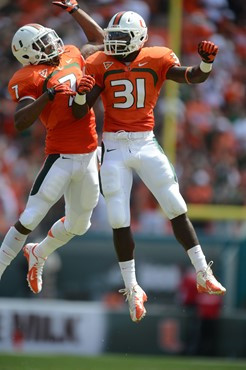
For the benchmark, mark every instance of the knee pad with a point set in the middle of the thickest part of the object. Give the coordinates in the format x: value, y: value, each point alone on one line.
x: 80, y: 225
x: 36, y: 209
x: 118, y: 215
x: 173, y: 204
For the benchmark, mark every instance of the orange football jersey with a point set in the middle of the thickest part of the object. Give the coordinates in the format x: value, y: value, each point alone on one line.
x: 130, y: 91
x: 64, y: 133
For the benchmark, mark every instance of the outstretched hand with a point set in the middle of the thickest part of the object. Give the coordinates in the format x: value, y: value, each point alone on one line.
x: 69, y: 5
x: 86, y: 84
x: 208, y: 51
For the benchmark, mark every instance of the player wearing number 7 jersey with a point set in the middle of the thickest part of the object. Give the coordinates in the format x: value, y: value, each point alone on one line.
x: 45, y: 87
x: 129, y: 77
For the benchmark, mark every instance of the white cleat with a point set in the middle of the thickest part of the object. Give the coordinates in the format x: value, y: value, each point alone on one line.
x: 35, y: 267
x: 136, y: 298
x: 207, y: 283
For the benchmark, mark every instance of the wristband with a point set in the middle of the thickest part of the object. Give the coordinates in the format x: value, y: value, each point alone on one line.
x: 51, y: 93
x: 80, y: 99
x: 74, y: 9
x: 205, y: 67
x: 186, y: 75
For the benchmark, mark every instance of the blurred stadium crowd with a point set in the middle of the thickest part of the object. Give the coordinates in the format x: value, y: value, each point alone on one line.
x: 211, y: 142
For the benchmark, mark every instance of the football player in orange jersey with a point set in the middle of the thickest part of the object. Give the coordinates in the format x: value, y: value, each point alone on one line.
x: 51, y: 78
x: 129, y: 77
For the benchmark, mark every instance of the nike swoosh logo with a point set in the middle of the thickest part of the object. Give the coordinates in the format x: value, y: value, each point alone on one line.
x: 142, y: 64
x: 65, y: 158
x: 110, y: 150
x: 68, y: 61
x: 32, y: 277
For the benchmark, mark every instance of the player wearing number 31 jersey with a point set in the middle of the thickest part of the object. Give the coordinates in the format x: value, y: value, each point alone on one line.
x: 129, y: 77
x: 45, y: 87
x: 130, y: 91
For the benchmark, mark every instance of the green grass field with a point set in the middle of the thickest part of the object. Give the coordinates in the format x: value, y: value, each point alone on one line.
x: 116, y: 362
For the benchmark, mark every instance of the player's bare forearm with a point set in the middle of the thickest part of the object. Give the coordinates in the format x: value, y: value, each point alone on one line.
x: 28, y: 111
x: 197, y: 74
x: 89, y: 49
x: 192, y: 75
x: 92, y: 30
x: 79, y: 111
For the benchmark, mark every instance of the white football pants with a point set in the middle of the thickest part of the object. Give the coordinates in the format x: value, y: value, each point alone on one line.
x: 123, y: 152
x: 73, y: 175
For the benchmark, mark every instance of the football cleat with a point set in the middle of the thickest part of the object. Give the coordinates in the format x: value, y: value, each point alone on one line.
x: 35, y: 267
x: 136, y: 298
x: 206, y: 282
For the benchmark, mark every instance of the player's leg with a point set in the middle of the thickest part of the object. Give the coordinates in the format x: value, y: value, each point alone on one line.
x: 12, y: 244
x: 47, y: 190
x: 159, y: 176
x: 36, y: 208
x: 116, y: 183
x: 81, y: 196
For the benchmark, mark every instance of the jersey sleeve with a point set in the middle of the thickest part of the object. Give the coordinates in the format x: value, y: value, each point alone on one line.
x: 94, y: 68
x: 23, y: 85
x: 169, y: 60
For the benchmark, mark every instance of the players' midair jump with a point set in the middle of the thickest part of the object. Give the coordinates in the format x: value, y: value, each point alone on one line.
x: 129, y: 77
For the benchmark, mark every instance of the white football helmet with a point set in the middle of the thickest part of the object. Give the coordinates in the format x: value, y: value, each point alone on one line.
x: 34, y: 44
x: 126, y: 32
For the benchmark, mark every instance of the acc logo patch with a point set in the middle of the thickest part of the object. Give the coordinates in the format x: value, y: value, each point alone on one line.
x: 107, y: 65
x: 44, y: 73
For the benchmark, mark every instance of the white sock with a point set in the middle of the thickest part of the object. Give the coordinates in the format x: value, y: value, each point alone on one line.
x: 56, y: 238
x: 11, y: 246
x: 127, y: 269
x: 197, y: 258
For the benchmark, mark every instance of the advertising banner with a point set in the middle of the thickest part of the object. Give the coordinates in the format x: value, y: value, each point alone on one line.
x: 46, y: 326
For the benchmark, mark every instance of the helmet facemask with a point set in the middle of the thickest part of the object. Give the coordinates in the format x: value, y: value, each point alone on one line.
x: 47, y: 47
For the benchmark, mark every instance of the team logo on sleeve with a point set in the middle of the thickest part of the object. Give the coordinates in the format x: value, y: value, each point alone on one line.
x: 44, y: 73
x: 107, y: 65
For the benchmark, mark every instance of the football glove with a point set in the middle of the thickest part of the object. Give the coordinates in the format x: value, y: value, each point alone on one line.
x: 208, y: 51
x: 86, y: 84
x: 69, y: 5
x: 61, y: 89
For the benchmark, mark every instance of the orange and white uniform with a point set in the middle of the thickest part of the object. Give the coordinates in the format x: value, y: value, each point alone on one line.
x: 65, y: 134
x: 129, y: 95
x: 70, y: 168
x: 130, y: 92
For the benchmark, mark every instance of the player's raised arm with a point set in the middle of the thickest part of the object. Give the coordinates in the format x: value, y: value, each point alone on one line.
x: 196, y: 74
x: 92, y: 30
